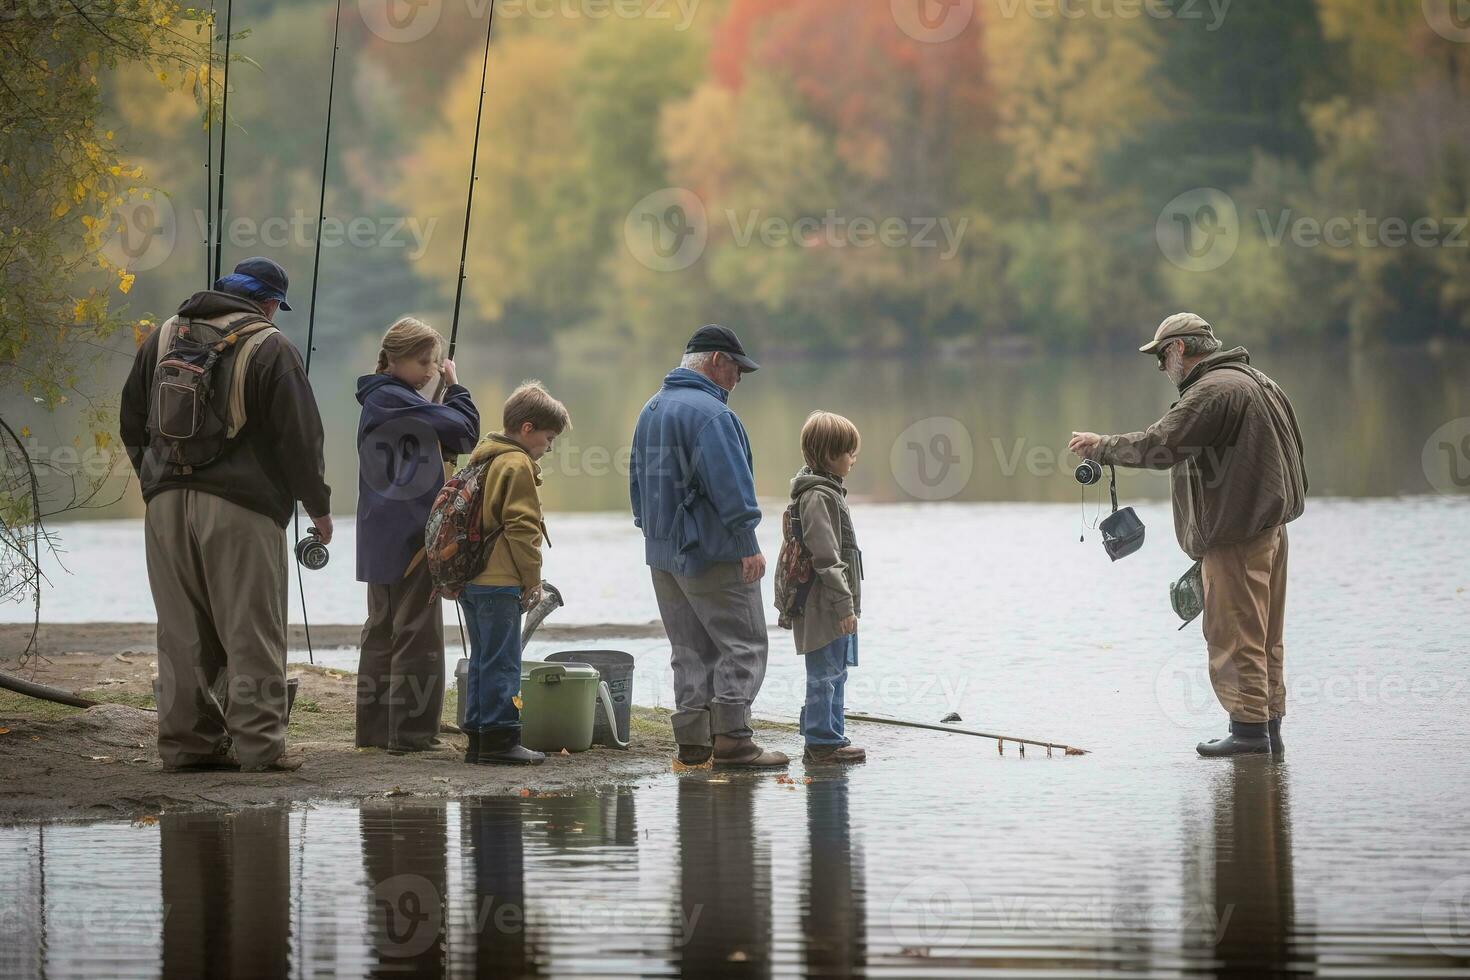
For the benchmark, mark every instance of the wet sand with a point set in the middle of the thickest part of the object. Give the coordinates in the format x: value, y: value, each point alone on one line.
x: 62, y: 763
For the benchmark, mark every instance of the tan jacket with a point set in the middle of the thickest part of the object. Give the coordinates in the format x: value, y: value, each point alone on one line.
x: 1233, y: 444
x: 512, y: 500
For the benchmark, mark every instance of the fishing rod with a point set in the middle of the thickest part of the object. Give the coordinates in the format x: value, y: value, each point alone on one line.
x: 316, y: 265
x: 1001, y: 740
x: 209, y: 153
x: 224, y: 130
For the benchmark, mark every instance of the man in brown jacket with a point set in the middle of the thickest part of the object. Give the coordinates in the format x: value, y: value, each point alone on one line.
x: 1235, y: 450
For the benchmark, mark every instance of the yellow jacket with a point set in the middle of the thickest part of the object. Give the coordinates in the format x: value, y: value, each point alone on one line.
x: 511, y: 499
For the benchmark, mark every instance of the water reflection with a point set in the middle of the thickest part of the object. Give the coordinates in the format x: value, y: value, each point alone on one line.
x: 493, y: 837
x: 724, y: 881
x: 226, y: 893
x: 403, y: 856
x: 1252, y: 928
x: 834, y: 914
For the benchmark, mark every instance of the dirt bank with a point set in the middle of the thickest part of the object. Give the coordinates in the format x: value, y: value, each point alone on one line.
x: 67, y: 763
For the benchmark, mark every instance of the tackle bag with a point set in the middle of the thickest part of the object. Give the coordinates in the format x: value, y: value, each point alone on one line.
x: 794, y: 572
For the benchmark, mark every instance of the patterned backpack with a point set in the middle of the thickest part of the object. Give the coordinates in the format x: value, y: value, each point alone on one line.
x: 455, y: 544
x: 794, y: 574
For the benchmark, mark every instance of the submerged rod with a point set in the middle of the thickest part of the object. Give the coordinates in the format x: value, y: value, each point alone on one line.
x: 901, y: 723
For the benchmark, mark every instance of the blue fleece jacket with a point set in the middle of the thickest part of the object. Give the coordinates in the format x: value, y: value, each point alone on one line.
x: 692, y: 483
x: 401, y: 441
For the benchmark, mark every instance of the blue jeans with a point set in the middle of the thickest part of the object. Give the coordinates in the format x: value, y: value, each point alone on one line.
x: 826, y: 677
x: 492, y: 616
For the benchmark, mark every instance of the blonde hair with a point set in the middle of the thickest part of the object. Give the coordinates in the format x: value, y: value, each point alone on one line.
x: 531, y: 402
x: 406, y: 338
x: 826, y: 436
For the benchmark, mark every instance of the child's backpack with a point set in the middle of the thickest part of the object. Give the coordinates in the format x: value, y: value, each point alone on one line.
x: 455, y: 543
x: 794, y: 573
x: 198, y: 403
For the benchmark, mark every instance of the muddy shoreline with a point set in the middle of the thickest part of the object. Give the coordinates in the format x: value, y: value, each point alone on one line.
x: 63, y: 763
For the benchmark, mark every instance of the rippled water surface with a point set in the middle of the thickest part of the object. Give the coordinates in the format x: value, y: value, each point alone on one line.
x: 940, y: 856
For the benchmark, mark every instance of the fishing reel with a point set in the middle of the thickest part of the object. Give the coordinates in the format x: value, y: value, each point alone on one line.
x: 311, y: 551
x: 1088, y: 472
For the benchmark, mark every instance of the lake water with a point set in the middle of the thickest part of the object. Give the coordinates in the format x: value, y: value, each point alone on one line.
x: 1352, y: 857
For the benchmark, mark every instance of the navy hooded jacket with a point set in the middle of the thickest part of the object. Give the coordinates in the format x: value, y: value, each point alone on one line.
x: 692, y: 482
x: 401, y: 441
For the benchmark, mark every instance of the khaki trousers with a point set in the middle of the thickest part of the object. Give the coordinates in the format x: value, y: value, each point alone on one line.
x: 1245, y: 616
x: 218, y: 574
x: 400, y: 671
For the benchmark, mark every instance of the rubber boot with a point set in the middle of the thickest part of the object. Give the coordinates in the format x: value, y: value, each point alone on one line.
x: 504, y: 748
x: 472, y: 751
x: 694, y: 755
x: 732, y: 752
x: 1245, y: 738
x: 1278, y: 747
x: 842, y: 754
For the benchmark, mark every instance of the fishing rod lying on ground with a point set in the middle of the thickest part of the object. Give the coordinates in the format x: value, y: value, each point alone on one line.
x: 1001, y: 740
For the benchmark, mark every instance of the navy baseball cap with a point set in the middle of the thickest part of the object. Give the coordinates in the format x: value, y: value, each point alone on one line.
x: 713, y: 337
x: 265, y: 273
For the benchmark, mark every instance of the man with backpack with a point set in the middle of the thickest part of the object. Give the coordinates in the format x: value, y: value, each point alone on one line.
x: 222, y: 428
x: 693, y: 494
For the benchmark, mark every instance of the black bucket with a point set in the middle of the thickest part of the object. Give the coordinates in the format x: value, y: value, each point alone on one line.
x: 616, y: 668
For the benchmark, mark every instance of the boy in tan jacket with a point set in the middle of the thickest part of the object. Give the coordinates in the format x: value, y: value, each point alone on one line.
x: 511, y: 582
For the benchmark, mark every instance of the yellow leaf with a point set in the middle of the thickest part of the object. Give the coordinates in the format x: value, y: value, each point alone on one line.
x: 516, y: 700
x: 125, y: 282
x: 25, y: 432
x: 61, y: 208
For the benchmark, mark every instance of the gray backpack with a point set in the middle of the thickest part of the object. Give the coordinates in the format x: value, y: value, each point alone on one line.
x: 197, y: 404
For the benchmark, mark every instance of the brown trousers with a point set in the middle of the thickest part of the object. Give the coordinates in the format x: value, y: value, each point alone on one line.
x: 218, y: 574
x: 400, y: 674
x: 1245, y: 616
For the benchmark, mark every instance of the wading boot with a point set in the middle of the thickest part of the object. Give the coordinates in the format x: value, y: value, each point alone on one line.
x: 1278, y: 747
x: 504, y: 748
x: 732, y: 752
x: 1245, y: 738
x: 694, y: 755
x: 472, y: 751
x: 836, y: 754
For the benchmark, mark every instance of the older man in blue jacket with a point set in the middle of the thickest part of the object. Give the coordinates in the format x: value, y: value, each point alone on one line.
x: 693, y: 493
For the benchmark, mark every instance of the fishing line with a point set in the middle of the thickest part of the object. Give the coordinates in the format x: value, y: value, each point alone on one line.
x: 209, y: 154
x: 316, y: 265
x: 464, y: 247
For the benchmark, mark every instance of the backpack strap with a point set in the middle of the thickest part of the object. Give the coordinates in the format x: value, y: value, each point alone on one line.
x: 166, y: 334
x: 254, y: 335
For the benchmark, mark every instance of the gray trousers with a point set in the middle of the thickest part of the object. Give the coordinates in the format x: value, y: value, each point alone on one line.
x: 400, y: 672
x: 218, y: 573
x: 717, y: 627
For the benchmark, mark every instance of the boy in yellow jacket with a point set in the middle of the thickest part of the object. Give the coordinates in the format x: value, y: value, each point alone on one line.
x: 511, y: 582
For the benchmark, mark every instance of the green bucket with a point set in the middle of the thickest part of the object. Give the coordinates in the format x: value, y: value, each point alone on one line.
x: 559, y: 704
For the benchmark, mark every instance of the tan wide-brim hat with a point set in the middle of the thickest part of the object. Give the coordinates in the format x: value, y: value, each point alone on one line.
x: 1176, y: 326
